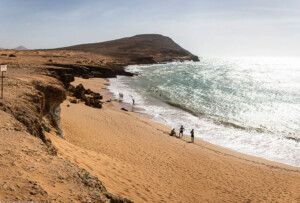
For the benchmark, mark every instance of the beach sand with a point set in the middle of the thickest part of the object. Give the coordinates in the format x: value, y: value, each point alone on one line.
x: 136, y: 158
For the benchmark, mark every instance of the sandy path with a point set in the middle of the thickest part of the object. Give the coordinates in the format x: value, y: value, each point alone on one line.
x: 135, y: 158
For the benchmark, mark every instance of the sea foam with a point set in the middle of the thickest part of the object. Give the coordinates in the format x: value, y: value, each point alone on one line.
x: 250, y: 105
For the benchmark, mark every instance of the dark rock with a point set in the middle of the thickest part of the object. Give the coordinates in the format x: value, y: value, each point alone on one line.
x: 71, y: 88
x: 66, y: 79
x: 84, y: 71
x: 97, y: 96
x: 116, y: 199
x: 88, y: 91
x: 17, y: 128
x: 195, y: 58
x: 79, y: 92
x: 97, y: 104
x: 33, y: 193
x: 143, y: 60
x: 293, y: 138
x: 73, y: 101
x: 124, y: 109
x: 85, y: 76
x: 90, y: 101
x: 89, y: 97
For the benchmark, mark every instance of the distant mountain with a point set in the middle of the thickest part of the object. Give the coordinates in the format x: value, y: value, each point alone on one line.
x: 146, y: 48
x: 20, y: 48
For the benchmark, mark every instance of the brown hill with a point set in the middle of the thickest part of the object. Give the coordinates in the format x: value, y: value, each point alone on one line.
x: 147, y: 48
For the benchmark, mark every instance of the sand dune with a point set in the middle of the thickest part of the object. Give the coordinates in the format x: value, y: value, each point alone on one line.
x: 137, y: 159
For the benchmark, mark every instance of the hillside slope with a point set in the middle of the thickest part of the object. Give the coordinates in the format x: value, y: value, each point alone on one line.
x: 147, y: 48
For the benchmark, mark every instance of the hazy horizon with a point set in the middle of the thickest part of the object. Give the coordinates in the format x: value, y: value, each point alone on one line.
x: 206, y: 28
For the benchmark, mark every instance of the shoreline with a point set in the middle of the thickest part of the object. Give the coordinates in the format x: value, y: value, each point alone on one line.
x: 213, y: 147
x: 206, y: 129
x: 227, y: 151
x: 135, y: 158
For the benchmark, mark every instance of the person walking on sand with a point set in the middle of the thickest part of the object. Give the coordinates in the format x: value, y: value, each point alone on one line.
x: 181, y: 129
x: 192, y: 136
x: 133, y: 101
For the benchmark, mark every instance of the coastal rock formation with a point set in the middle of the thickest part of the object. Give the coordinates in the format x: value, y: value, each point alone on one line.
x: 139, y: 49
x: 36, y: 104
x: 66, y: 72
x: 89, y: 97
x: 51, y: 98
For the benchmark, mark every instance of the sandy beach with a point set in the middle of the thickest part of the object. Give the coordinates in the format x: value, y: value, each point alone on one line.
x: 136, y: 158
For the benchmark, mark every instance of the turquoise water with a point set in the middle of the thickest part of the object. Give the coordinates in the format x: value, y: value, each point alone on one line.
x: 251, y: 105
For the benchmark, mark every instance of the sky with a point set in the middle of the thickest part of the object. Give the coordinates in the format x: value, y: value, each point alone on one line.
x: 204, y: 27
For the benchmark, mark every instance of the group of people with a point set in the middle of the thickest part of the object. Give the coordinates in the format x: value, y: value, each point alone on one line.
x: 173, y: 133
x: 181, y: 129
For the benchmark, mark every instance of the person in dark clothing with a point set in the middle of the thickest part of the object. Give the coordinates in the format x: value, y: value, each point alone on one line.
x: 173, y: 133
x: 192, y: 135
x: 181, y: 129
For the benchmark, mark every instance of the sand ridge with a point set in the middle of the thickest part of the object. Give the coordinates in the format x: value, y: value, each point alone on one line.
x: 137, y: 159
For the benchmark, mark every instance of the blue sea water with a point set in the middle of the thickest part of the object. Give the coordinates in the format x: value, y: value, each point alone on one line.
x: 248, y: 104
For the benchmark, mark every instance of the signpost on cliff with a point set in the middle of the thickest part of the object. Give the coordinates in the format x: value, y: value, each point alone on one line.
x: 3, y: 68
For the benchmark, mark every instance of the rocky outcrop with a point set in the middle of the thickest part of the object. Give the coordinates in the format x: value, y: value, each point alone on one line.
x: 66, y: 72
x: 36, y: 104
x: 51, y: 98
x: 143, y: 60
x: 89, y: 97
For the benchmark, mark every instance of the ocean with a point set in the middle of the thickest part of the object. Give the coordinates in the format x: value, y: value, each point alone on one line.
x: 248, y: 104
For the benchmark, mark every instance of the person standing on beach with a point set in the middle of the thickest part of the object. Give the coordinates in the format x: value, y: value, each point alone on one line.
x: 181, y: 129
x: 133, y: 101
x: 120, y: 97
x: 192, y: 136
